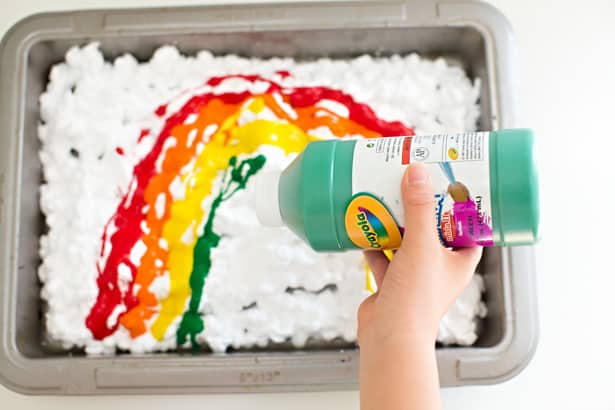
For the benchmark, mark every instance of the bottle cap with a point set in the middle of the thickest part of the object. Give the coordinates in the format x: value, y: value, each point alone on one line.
x: 514, y: 187
x: 266, y: 190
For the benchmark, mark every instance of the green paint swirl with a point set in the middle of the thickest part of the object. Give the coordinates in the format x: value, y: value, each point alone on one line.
x: 192, y: 323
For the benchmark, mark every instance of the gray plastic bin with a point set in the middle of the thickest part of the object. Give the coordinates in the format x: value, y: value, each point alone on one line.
x: 473, y: 34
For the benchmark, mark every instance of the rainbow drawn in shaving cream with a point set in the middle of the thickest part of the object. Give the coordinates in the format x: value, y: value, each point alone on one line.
x: 205, y: 151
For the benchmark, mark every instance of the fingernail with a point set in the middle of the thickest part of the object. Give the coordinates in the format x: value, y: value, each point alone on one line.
x: 418, y: 174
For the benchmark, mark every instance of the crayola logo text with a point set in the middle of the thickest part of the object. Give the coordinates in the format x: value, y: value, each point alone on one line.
x: 369, y: 224
x: 370, y: 235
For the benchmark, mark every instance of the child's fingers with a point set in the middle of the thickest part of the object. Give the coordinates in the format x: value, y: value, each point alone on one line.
x: 467, y: 259
x: 378, y: 263
x: 364, y: 314
x: 418, y: 200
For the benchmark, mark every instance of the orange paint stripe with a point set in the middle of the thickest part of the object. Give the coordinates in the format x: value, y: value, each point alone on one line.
x: 308, y: 119
x: 154, y: 261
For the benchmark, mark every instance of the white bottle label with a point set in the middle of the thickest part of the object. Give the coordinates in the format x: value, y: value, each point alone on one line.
x: 459, y: 165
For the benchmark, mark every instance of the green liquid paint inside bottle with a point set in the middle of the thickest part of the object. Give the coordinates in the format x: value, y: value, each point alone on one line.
x: 345, y: 194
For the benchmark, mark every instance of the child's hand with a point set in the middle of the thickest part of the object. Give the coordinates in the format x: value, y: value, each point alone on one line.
x: 398, y: 324
x: 416, y: 288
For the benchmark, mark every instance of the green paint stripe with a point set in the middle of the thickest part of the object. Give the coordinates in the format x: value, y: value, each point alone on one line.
x: 235, y: 178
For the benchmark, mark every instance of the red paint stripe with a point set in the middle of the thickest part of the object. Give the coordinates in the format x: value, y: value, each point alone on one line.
x: 144, y: 133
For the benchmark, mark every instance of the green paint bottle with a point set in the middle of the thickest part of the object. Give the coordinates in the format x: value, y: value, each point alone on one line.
x: 345, y: 194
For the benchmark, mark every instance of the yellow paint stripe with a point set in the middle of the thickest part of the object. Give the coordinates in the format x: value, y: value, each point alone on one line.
x: 227, y: 142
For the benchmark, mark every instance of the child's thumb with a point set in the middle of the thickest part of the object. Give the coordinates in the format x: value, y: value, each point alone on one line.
x: 419, y: 208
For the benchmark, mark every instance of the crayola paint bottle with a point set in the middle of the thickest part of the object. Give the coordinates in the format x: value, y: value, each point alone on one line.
x: 345, y: 194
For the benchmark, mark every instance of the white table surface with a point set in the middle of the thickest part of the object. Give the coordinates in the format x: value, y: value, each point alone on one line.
x: 567, y: 53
